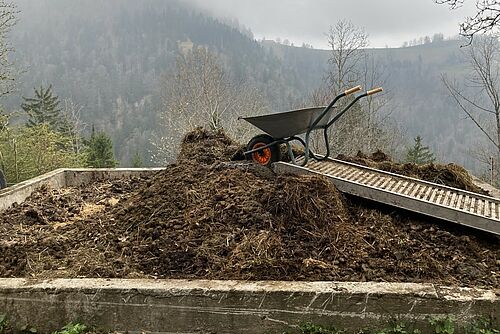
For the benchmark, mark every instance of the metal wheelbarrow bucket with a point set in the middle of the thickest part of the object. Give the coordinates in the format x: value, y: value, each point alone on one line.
x: 284, y: 127
x: 288, y: 123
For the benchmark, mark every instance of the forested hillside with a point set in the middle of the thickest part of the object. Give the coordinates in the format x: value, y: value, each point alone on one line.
x: 110, y: 58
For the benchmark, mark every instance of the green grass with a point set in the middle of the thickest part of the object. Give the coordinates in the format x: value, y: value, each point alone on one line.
x: 445, y: 325
x: 73, y: 328
x: 398, y: 328
x: 309, y: 328
x: 438, y: 325
x: 3, y: 323
x: 483, y: 326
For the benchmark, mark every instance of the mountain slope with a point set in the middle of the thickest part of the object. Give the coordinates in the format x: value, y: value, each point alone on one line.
x: 109, y: 57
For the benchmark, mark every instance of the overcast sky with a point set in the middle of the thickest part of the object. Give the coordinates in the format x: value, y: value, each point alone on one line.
x: 388, y: 22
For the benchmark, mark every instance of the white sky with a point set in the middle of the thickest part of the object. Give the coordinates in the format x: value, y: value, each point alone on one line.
x: 388, y: 22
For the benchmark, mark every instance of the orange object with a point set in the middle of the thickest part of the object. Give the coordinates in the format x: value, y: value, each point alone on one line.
x: 261, y: 157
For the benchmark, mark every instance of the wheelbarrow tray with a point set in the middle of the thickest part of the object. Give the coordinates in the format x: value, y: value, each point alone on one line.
x: 289, y: 123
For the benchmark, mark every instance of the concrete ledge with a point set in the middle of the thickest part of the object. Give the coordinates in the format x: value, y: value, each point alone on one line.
x: 203, y: 306
x: 60, y: 178
x: 76, y: 177
x: 21, y: 191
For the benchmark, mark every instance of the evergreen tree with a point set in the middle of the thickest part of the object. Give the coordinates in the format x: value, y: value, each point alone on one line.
x: 43, y: 108
x: 137, y: 161
x: 419, y: 154
x: 100, y: 151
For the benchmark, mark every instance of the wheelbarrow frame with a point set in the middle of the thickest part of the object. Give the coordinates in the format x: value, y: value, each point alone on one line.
x: 320, y: 122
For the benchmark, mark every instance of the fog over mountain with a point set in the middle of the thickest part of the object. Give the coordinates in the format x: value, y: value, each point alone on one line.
x: 389, y: 22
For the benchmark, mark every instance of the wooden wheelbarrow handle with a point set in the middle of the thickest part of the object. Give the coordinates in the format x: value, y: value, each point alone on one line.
x: 374, y: 91
x: 352, y: 90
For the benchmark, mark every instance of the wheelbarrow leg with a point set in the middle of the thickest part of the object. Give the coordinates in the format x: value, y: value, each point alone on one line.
x: 306, y: 151
x: 327, y: 144
x: 291, y: 155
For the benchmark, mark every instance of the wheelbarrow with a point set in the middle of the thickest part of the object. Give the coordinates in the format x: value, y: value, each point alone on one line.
x: 284, y: 127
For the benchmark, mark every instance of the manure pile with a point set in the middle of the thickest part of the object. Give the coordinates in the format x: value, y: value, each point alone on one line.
x: 208, y: 217
x: 451, y: 175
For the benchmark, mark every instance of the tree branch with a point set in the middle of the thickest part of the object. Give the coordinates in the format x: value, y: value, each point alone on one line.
x: 452, y: 91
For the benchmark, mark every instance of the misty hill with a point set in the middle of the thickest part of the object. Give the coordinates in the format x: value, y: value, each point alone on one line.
x: 109, y: 57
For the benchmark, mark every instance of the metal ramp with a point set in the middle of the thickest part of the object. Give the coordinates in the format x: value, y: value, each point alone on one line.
x: 435, y: 200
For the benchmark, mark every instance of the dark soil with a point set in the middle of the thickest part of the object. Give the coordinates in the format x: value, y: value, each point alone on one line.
x: 208, y: 217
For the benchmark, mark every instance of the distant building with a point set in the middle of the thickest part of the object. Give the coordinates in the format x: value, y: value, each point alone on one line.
x: 186, y: 46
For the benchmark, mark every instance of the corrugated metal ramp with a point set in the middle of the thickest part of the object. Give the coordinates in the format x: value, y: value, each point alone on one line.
x: 451, y: 204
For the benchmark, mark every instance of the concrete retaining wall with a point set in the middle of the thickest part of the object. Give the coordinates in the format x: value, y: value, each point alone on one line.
x: 60, y: 178
x: 202, y: 306
x: 19, y: 192
x: 76, y: 177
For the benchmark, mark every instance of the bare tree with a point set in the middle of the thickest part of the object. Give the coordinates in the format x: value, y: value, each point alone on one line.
x: 74, y: 126
x: 479, y: 97
x: 8, y: 12
x: 484, y: 20
x: 381, y: 132
x: 350, y: 65
x: 347, y: 43
x: 199, y: 92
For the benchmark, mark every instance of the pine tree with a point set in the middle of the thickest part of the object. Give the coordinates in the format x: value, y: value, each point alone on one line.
x: 100, y: 151
x: 137, y: 161
x: 43, y: 108
x: 419, y: 154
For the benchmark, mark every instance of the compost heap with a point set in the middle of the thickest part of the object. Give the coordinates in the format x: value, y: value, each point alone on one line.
x: 451, y: 174
x: 207, y: 217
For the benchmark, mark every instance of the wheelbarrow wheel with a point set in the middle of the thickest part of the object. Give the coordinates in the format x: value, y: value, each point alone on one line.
x: 266, y: 156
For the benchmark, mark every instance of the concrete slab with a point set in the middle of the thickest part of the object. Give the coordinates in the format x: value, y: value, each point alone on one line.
x: 209, y: 306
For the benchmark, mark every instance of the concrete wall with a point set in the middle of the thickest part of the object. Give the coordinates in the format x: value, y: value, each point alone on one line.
x: 76, y: 177
x: 202, y: 306
x: 21, y: 191
x: 64, y: 178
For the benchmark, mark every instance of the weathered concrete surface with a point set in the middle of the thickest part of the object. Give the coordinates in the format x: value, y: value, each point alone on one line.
x: 76, y: 177
x: 60, y: 178
x: 202, y: 306
x: 19, y: 192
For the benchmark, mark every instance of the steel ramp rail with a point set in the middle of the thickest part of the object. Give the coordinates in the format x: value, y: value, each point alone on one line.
x: 431, y: 199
